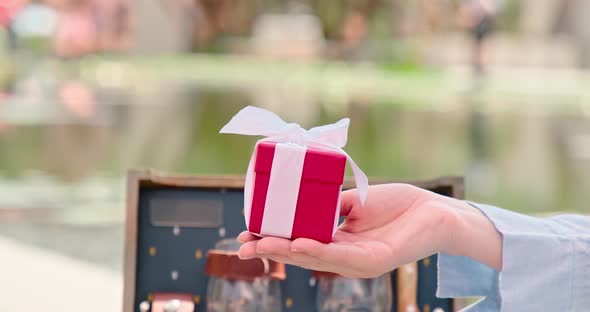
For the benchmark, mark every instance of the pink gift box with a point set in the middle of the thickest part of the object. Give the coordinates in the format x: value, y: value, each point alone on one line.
x: 294, y: 178
x: 316, y: 209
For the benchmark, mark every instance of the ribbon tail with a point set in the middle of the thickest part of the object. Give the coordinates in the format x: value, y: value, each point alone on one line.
x: 249, y: 188
x: 361, y: 181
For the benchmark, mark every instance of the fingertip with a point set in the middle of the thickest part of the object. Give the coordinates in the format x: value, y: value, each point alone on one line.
x: 246, y: 236
x: 248, y: 250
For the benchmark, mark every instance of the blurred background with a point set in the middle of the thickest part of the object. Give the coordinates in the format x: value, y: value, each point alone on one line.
x: 497, y: 91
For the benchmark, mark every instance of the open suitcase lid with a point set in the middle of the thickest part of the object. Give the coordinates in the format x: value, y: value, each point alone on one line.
x: 163, y: 258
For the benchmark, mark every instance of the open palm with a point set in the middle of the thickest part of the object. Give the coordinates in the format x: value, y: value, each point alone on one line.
x: 397, y: 225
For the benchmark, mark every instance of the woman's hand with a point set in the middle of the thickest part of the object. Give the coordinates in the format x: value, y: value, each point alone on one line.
x: 399, y: 224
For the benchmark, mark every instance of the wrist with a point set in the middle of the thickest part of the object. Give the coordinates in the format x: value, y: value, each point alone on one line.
x: 470, y: 233
x: 453, y: 227
x: 447, y: 227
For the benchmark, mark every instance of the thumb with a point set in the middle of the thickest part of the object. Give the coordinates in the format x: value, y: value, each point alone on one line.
x: 349, y: 200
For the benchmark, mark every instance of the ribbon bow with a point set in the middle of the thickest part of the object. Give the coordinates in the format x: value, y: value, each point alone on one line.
x: 260, y: 122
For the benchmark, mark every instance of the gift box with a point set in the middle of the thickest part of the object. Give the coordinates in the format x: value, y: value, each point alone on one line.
x: 295, y: 176
x: 301, y: 188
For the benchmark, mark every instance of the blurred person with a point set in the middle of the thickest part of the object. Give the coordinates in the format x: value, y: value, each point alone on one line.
x: 212, y: 19
x: 354, y: 28
x: 218, y: 17
x: 34, y: 24
x: 8, y: 9
x: 479, y: 16
x: 517, y: 262
x: 76, y: 33
x: 112, y: 23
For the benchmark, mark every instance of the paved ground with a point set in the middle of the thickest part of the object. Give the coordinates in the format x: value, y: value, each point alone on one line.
x: 34, y: 279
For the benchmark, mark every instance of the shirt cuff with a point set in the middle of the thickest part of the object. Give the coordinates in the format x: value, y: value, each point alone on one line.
x: 581, y: 279
x: 460, y: 277
x: 545, y: 266
x: 538, y: 264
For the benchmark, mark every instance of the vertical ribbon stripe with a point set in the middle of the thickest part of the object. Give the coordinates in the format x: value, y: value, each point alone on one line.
x: 283, y: 190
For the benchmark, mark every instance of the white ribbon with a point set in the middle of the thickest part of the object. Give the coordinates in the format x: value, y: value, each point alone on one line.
x: 260, y: 122
x: 282, y: 194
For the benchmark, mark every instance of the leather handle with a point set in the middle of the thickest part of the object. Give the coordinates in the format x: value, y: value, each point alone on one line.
x: 228, y: 265
x: 407, y: 288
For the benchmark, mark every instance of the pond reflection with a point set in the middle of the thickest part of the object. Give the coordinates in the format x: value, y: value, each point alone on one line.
x: 73, y: 173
